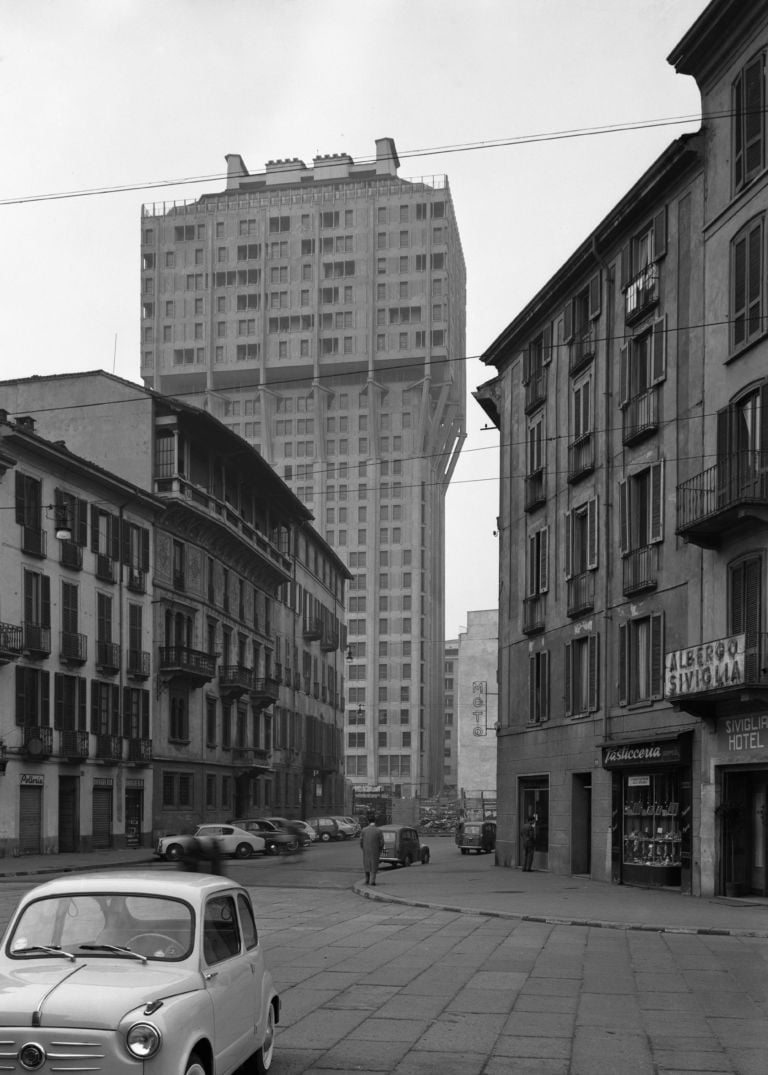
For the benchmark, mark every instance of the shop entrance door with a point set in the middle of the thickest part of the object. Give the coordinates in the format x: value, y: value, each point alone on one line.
x: 134, y: 816
x: 534, y: 804
x: 581, y: 823
x: 69, y: 820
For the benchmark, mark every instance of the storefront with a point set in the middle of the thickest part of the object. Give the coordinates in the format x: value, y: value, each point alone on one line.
x: 651, y: 835
x: 741, y: 774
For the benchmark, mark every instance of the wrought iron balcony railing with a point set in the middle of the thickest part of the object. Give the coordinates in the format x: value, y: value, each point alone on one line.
x: 11, y: 642
x: 640, y: 569
x: 581, y: 457
x: 535, y: 390
x: 729, y: 494
x: 183, y: 662
x: 109, y: 748
x: 640, y: 416
x: 108, y: 657
x: 535, y: 489
x: 74, y: 745
x: 533, y: 614
x: 73, y: 647
x: 37, y: 639
x: 138, y: 664
x: 580, y: 593
x: 642, y: 294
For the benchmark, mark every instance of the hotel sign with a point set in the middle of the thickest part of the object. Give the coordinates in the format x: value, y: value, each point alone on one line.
x: 480, y: 707
x: 704, y: 668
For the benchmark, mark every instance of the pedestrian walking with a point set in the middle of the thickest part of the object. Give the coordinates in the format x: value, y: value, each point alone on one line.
x: 372, y: 842
x: 529, y: 844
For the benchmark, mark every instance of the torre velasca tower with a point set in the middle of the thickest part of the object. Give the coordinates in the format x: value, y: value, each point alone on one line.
x: 320, y: 313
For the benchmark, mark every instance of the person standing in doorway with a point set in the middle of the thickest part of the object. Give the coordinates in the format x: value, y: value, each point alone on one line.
x: 529, y: 844
x: 372, y: 842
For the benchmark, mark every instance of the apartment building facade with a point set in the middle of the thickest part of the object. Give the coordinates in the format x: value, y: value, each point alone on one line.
x: 450, y: 735
x: 247, y: 674
x: 319, y: 311
x: 634, y: 580
x: 76, y: 698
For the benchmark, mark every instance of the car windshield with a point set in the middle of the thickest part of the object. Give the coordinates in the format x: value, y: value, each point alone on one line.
x: 472, y: 828
x: 110, y: 924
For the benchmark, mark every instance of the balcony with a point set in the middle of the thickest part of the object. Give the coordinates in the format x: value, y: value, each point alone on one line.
x: 138, y: 664
x: 725, y: 677
x: 74, y: 745
x: 38, y: 741
x: 137, y: 580
x: 251, y: 758
x: 580, y: 593
x: 264, y: 691
x: 641, y: 295
x: 581, y: 457
x: 11, y: 642
x: 105, y: 568
x: 71, y: 555
x: 235, y: 680
x: 34, y: 542
x: 313, y: 629
x: 108, y: 658
x: 535, y: 390
x: 581, y: 352
x: 73, y: 647
x: 109, y: 748
x: 535, y: 489
x: 140, y: 751
x: 37, y: 640
x: 640, y: 416
x: 181, y: 662
x: 731, y: 494
x: 640, y: 570
x: 329, y: 641
x: 533, y: 614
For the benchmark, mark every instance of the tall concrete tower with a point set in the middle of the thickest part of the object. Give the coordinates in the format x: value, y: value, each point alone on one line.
x: 320, y: 312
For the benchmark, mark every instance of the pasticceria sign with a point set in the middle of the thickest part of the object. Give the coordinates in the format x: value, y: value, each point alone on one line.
x: 707, y: 667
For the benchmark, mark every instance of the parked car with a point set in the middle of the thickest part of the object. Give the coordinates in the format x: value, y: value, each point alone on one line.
x: 311, y: 833
x: 326, y: 828
x: 402, y: 846
x: 347, y: 827
x: 479, y: 836
x: 231, y: 840
x: 277, y: 838
x: 161, y: 973
x: 300, y: 829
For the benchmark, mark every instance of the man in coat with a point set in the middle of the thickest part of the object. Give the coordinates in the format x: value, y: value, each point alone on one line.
x: 371, y: 841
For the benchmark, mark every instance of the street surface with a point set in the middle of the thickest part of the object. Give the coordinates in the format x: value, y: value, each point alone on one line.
x: 378, y: 987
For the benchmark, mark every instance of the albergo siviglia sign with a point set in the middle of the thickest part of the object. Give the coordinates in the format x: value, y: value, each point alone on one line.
x: 704, y: 668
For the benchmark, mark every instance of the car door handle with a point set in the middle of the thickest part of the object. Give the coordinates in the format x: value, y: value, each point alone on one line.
x: 210, y: 975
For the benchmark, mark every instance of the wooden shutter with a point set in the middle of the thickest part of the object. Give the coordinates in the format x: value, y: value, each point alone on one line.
x: 544, y: 560
x: 656, y: 493
x: 114, y: 538
x: 546, y: 344
x: 754, y: 117
x: 125, y: 540
x: 592, y: 534
x: 660, y: 234
x: 20, y: 489
x: 527, y: 364
x: 114, y: 691
x: 144, y: 549
x: 81, y: 693
x: 95, y: 706
x: 568, y: 321
x: 659, y: 350
x: 532, y: 566
x: 623, y: 517
x: 94, y: 528
x: 568, y: 545
x: 45, y: 700
x: 594, y: 685
x: 45, y: 601
x: 568, y: 680
x: 80, y: 535
x: 594, y: 297
x: 623, y: 671
x: 127, y: 712
x: 58, y: 701
x: 532, y: 688
x: 21, y: 693
x: 544, y: 684
x: 624, y: 374
x: 657, y: 655
x: 625, y: 266
x: 145, y: 714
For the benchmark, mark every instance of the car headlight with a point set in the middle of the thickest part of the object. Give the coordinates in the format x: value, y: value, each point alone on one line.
x: 143, y: 1040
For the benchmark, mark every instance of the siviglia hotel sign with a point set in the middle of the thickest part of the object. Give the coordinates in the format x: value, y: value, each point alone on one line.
x: 707, y: 667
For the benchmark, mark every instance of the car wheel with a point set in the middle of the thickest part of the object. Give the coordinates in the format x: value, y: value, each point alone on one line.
x: 174, y: 852
x: 292, y: 846
x: 243, y: 851
x: 407, y: 860
x: 263, y: 1057
x: 325, y: 837
x: 424, y: 856
x: 195, y: 1065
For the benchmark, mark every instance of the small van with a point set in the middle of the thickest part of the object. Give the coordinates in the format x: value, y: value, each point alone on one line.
x: 479, y: 836
x: 402, y: 846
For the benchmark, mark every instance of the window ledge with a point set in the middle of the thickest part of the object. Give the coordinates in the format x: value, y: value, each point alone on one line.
x: 745, y: 347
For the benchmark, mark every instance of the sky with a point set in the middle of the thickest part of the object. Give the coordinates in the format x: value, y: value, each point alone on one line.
x: 101, y: 94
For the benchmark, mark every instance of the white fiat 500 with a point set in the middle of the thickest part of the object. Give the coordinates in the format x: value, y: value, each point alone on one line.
x: 158, y: 974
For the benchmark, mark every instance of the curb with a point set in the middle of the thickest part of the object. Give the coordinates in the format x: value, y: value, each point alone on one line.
x: 553, y: 920
x: 8, y: 875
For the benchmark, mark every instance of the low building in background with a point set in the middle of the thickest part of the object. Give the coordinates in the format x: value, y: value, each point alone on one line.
x: 477, y: 713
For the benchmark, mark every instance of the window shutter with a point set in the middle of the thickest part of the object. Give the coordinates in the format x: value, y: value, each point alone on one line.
x: 568, y: 550
x: 656, y: 514
x: 544, y: 684
x: 544, y: 561
x: 21, y: 694
x: 623, y: 517
x: 527, y: 364
x: 723, y: 452
x: 738, y: 291
x: 594, y: 690
x: 532, y: 567
x: 754, y: 117
x: 546, y: 344
x: 659, y: 350
x: 45, y: 601
x: 125, y: 540
x: 114, y: 538
x: 660, y: 234
x: 754, y: 280
x: 594, y: 297
x: 94, y: 528
x: 623, y: 676
x: 144, y: 549
x: 126, y: 712
x: 624, y: 375
x: 567, y: 681
x: 145, y: 714
x: 568, y: 321
x: 58, y: 701
x: 115, y: 709
x: 625, y: 266
x: 657, y: 655
x: 592, y: 534
x: 81, y: 523
x: 20, y: 499
x: 45, y: 700
x: 94, y: 707
x: 532, y: 691
x: 81, y: 692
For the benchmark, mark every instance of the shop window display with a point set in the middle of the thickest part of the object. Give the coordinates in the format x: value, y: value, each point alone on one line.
x: 652, y: 836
